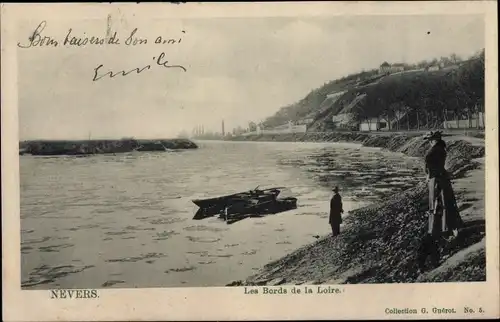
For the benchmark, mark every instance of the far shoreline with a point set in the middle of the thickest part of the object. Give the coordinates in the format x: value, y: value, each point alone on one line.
x: 342, y: 136
x: 93, y: 147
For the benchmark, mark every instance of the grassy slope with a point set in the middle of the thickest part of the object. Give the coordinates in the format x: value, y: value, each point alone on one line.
x: 378, y: 243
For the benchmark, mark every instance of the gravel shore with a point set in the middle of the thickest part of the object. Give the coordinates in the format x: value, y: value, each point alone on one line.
x: 378, y: 243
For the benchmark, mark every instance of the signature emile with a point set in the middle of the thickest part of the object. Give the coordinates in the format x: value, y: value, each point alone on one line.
x: 160, y: 62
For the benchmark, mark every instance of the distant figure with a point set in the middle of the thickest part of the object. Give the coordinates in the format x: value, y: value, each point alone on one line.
x: 444, y: 219
x: 336, y: 211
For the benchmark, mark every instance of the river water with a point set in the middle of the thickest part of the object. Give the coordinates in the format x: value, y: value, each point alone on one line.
x: 126, y: 220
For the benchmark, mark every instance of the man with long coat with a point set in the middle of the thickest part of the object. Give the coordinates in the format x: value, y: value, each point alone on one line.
x: 336, y: 211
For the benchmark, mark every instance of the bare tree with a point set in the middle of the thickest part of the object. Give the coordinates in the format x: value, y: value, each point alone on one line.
x: 407, y: 110
x: 252, y: 126
x: 398, y: 111
x: 418, y: 119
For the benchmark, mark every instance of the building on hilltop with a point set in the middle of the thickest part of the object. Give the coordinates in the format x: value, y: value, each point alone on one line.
x: 288, y: 127
x: 373, y: 124
x: 384, y: 67
x: 342, y: 121
x: 434, y: 67
x: 472, y: 123
x: 387, y: 68
x: 382, y: 123
x: 305, y: 121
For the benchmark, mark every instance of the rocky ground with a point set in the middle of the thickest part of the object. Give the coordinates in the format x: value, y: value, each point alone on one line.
x: 378, y: 243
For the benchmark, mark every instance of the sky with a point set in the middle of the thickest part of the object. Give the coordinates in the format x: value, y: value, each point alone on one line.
x: 237, y: 69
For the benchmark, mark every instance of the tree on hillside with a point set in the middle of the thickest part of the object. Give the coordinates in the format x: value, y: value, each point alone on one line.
x: 252, y: 127
x: 362, y: 112
x: 407, y: 112
x: 479, y: 54
x: 469, y: 87
x: 423, y: 64
x: 425, y: 101
x: 414, y: 102
x: 455, y: 58
x: 398, y: 109
x: 445, y: 61
x: 442, y: 101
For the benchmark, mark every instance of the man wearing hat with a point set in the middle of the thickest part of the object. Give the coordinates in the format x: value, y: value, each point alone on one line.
x: 444, y: 219
x: 336, y: 211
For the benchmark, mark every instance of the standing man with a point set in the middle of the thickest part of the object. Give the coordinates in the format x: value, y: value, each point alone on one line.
x: 336, y: 211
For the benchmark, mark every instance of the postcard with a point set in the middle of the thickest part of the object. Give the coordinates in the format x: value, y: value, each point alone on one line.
x: 250, y: 161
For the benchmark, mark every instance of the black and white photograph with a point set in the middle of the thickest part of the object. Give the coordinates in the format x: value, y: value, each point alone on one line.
x: 250, y: 152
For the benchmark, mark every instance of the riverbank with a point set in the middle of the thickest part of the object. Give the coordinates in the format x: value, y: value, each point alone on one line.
x: 378, y: 243
x: 89, y: 147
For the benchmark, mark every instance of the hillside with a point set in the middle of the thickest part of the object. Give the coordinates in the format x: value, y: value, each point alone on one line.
x: 407, y: 100
x: 379, y: 95
x: 310, y: 104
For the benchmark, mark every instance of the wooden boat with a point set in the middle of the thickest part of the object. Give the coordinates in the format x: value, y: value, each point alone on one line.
x: 219, y: 203
x: 244, y: 204
x: 241, y: 211
x: 260, y: 207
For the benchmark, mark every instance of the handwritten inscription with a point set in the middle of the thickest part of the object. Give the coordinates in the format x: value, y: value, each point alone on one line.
x: 36, y: 39
x: 39, y: 39
x: 72, y: 39
x: 160, y: 61
x: 82, y: 41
